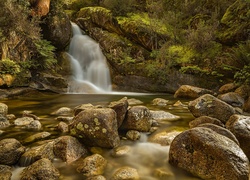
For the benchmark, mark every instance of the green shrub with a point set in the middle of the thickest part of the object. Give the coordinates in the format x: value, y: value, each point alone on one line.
x: 8, y: 66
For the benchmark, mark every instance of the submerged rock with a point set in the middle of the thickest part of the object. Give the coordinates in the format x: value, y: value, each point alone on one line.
x: 163, y: 115
x: 92, y: 165
x: 11, y: 151
x: 239, y: 125
x: 160, y: 102
x: 41, y: 169
x: 125, y: 173
x: 208, y: 155
x: 3, y: 109
x: 96, y: 127
x: 4, y: 122
x: 208, y: 105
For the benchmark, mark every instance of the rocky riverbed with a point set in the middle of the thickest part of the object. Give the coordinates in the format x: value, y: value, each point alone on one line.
x: 215, y: 146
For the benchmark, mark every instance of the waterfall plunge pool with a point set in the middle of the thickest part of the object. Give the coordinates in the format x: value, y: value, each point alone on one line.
x: 146, y: 157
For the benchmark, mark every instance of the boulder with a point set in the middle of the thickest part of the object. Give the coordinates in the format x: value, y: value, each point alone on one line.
x: 5, y: 172
x: 63, y: 127
x: 36, y: 153
x: 11, y: 151
x: 230, y: 87
x: 205, y: 119
x: 239, y: 125
x: 92, y: 165
x: 41, y: 169
x: 208, y: 155
x: 4, y: 122
x: 243, y: 91
x: 120, y: 107
x: 208, y: 105
x: 82, y: 107
x: 3, y: 109
x: 137, y: 118
x: 163, y: 116
x: 232, y: 98
x: 68, y: 149
x: 34, y: 125
x: 187, y: 91
x: 125, y: 173
x: 220, y: 130
x: 96, y: 127
x: 121, y: 151
x: 133, y: 135
x: 23, y: 121
x: 246, y: 106
x: 163, y: 138
x: 63, y: 111
x: 99, y: 177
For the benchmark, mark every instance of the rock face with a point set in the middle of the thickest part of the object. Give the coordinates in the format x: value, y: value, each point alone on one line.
x: 187, y: 91
x: 239, y: 125
x: 138, y: 118
x: 11, y: 151
x: 208, y: 155
x: 208, y: 105
x: 39, y: 170
x: 96, y: 127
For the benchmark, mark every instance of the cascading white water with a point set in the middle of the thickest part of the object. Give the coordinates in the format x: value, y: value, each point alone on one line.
x: 89, y: 67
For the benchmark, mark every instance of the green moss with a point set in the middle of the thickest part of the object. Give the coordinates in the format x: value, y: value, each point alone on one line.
x: 8, y: 66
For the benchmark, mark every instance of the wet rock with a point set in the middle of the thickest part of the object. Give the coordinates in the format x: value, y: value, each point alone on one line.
x: 208, y: 155
x: 69, y: 149
x: 5, y: 172
x: 63, y: 111
x: 133, y: 135
x: 208, y: 105
x: 82, y: 107
x: 3, y: 109
x: 163, y: 173
x: 179, y: 104
x: 29, y: 114
x: 187, y: 91
x: 92, y: 165
x: 3, y: 122
x: 11, y: 151
x: 163, y: 115
x: 120, y: 107
x: 63, y: 127
x: 239, y: 125
x: 133, y: 101
x: 121, y: 151
x: 246, y: 106
x: 10, y: 116
x: 205, y: 119
x: 65, y: 119
x: 96, y: 127
x: 36, y: 137
x: 99, y: 177
x: 41, y: 169
x: 220, y: 130
x: 160, y: 102
x: 23, y: 121
x: 125, y: 173
x: 138, y: 118
x: 232, y: 98
x: 243, y: 91
x: 35, y: 125
x: 163, y: 138
x: 36, y: 153
x: 230, y: 87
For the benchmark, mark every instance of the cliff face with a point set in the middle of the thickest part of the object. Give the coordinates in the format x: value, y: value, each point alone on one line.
x: 146, y: 53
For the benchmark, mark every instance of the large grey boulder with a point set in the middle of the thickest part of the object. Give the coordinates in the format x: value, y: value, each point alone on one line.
x: 208, y: 105
x: 209, y: 155
x: 41, y: 169
x: 239, y: 125
x: 10, y: 151
x: 96, y: 127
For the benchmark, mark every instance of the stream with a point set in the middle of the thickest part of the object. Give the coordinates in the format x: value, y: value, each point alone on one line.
x: 146, y: 157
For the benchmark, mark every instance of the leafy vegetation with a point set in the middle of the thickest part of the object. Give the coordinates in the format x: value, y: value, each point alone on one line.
x: 8, y: 66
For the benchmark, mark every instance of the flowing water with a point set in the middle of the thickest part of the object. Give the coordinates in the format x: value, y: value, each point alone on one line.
x: 89, y: 67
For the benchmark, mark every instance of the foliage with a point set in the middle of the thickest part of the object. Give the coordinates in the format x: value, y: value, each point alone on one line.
x: 46, y: 58
x: 8, y: 66
x: 156, y: 71
x: 243, y: 76
x: 199, y: 71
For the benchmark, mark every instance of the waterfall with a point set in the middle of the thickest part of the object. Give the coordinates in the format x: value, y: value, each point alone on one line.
x: 90, y: 73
